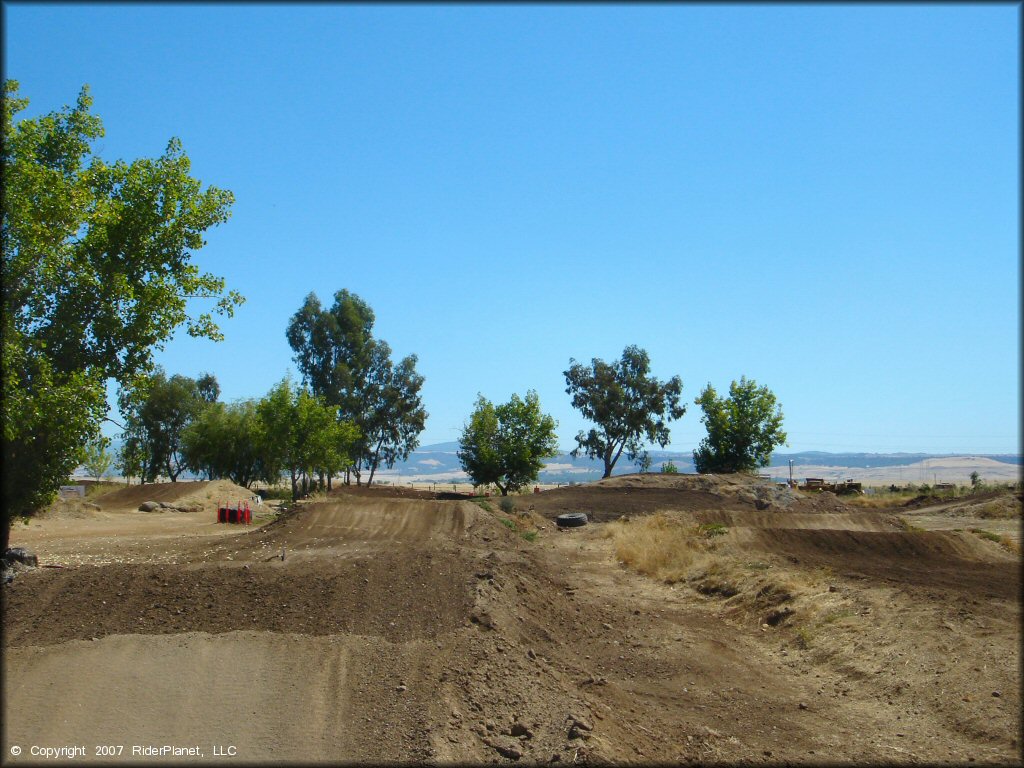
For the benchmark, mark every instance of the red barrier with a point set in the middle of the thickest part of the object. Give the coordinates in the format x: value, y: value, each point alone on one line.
x: 241, y: 514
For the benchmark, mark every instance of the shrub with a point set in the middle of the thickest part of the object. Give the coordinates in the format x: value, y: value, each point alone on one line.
x: 668, y: 468
x: 507, y: 505
x: 987, y: 534
x: 803, y: 639
x: 710, y: 530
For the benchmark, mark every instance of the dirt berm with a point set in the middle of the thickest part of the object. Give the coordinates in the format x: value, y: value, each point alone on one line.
x: 368, y: 628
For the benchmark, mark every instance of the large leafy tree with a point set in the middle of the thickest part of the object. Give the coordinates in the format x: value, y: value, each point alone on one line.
x: 333, y: 347
x: 342, y: 362
x: 392, y: 414
x: 223, y: 441
x: 157, y: 412
x: 97, y: 273
x: 277, y: 430
x: 47, y: 420
x: 743, y: 429
x: 506, y: 444
x: 299, y: 433
x: 628, y: 406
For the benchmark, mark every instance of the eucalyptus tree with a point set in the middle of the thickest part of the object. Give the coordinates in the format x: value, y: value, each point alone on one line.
x: 342, y: 362
x: 628, y: 406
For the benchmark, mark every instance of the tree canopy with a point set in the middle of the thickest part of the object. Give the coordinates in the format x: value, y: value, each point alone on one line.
x: 301, y: 434
x: 224, y: 441
x: 629, y: 406
x: 157, y: 411
x: 392, y: 415
x: 97, y: 273
x: 98, y: 459
x: 341, y: 362
x: 743, y: 429
x: 506, y: 444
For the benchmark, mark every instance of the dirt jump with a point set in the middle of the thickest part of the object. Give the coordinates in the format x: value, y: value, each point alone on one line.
x: 379, y: 627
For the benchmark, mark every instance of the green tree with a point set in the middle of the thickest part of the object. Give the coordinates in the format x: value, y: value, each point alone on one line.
x: 975, y: 480
x: 743, y: 429
x: 224, y: 441
x: 208, y: 388
x: 392, y: 416
x: 333, y: 347
x: 157, y: 411
x: 47, y: 420
x: 343, y: 363
x: 629, y: 406
x: 301, y: 434
x: 97, y: 272
x: 506, y: 444
x: 668, y: 468
x: 322, y: 442
x: 131, y: 459
x: 98, y: 459
x: 277, y: 430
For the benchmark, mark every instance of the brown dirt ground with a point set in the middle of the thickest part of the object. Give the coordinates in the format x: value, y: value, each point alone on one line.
x: 401, y: 627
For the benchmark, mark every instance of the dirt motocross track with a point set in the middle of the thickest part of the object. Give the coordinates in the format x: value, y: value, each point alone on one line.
x: 382, y: 626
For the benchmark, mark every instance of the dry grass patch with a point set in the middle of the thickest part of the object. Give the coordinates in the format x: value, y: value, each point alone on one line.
x: 769, y: 593
x: 1004, y: 508
x: 1002, y: 540
x: 657, y: 545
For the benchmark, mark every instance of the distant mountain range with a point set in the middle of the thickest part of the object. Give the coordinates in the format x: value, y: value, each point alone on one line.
x: 440, y: 463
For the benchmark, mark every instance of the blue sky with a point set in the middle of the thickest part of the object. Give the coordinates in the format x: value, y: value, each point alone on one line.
x: 823, y: 198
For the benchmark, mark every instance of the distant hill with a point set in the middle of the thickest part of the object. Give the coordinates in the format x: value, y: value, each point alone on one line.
x: 824, y: 459
x: 439, y: 462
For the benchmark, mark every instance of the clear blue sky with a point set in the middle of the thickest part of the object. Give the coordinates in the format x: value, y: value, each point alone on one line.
x: 824, y: 198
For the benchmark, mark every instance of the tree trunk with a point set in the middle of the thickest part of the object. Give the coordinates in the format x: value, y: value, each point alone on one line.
x: 375, y: 462
x: 609, y: 462
x: 295, y: 486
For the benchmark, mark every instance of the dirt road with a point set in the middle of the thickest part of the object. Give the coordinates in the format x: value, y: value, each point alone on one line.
x: 424, y: 630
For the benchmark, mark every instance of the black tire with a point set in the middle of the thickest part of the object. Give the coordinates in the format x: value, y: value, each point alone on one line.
x: 571, y: 520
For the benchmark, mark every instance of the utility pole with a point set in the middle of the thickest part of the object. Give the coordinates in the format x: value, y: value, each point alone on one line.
x: 790, y: 473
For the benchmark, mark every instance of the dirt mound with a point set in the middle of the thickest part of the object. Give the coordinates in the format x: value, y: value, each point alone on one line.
x: 72, y: 508
x: 620, y: 495
x: 847, y: 520
x: 932, y: 559
x: 331, y: 522
x: 208, y: 493
x: 1004, y: 506
x: 395, y: 492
